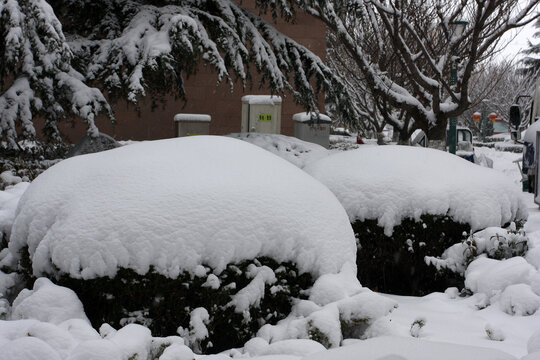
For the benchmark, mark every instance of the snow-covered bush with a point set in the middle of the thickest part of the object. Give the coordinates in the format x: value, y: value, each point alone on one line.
x: 338, y: 308
x: 510, y: 283
x: 406, y: 203
x: 182, y: 224
x: 396, y: 263
x: 494, y: 243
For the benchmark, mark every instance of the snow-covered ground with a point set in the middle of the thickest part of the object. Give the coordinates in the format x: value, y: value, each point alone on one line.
x: 437, y: 326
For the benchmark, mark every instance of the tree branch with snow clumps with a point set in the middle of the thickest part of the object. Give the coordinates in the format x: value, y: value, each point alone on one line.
x: 36, y: 74
x: 404, y: 50
x: 130, y: 49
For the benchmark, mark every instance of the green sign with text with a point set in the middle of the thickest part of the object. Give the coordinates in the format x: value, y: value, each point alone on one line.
x: 265, y: 117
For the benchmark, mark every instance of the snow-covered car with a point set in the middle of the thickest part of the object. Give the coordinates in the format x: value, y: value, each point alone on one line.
x: 340, y: 131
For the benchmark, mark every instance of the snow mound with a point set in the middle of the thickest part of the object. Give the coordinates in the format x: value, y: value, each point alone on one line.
x: 28, y: 348
x: 32, y: 339
x: 9, y: 199
x: 519, y: 299
x: 296, y: 347
x: 388, y: 347
x: 176, y: 204
x: 47, y: 302
x: 490, y: 276
x: 8, y: 178
x: 390, y: 183
x: 533, y: 344
x: 295, y: 151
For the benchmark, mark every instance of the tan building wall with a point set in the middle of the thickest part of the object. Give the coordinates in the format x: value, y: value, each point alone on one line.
x: 204, y: 97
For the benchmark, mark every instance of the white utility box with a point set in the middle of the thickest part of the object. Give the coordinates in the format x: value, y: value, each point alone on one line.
x: 192, y: 124
x: 261, y: 113
x: 309, y: 128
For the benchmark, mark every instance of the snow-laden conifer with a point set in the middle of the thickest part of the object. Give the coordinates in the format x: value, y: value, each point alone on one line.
x: 36, y: 73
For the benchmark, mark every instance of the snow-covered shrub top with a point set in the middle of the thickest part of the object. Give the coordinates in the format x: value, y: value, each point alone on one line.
x: 175, y: 204
x: 295, y: 151
x: 390, y: 183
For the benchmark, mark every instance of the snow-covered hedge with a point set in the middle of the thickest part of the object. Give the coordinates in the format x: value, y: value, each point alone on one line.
x: 188, y: 210
x: 391, y: 183
x: 406, y: 203
x: 176, y: 204
x: 212, y: 312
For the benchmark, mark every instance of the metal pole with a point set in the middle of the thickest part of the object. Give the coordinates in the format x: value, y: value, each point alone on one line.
x: 484, y: 118
x: 452, y: 131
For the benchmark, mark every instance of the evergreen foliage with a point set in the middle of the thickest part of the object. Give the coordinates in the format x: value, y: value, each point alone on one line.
x: 37, y: 76
x: 58, y: 58
x: 163, y: 304
x: 396, y: 264
x: 532, y: 62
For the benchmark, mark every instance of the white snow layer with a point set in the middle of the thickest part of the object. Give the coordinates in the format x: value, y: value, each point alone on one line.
x: 32, y: 339
x: 175, y: 204
x: 308, y: 117
x: 390, y: 183
x: 261, y: 99
x: 192, y: 118
x: 9, y: 199
x: 401, y: 348
x: 295, y: 151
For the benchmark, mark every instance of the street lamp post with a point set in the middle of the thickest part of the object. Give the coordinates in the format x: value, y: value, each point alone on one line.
x: 457, y: 28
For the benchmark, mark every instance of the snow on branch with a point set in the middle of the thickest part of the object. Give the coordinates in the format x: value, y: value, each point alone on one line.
x: 405, y: 51
x: 36, y: 76
x: 133, y: 48
x: 16, y: 104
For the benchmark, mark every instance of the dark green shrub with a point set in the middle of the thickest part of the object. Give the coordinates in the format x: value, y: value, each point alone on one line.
x: 30, y: 161
x: 163, y: 304
x: 396, y: 264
